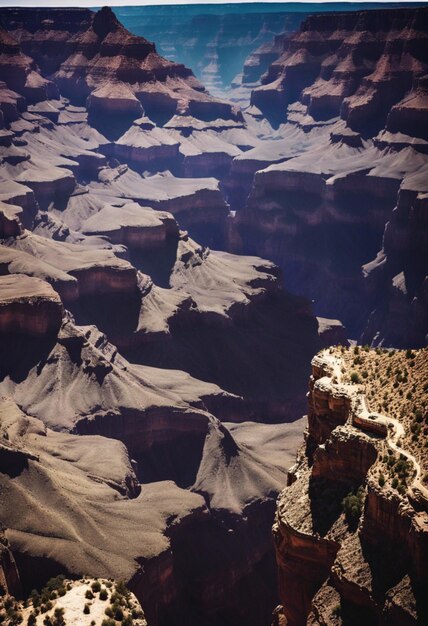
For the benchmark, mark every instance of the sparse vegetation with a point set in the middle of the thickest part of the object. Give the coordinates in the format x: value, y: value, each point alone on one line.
x: 353, y: 505
x: 395, y: 382
x: 123, y: 610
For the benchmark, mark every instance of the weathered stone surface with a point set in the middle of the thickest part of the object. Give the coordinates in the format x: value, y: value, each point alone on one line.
x: 28, y: 306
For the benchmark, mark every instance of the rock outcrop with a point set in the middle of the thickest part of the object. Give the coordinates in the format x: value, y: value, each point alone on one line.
x: 28, y: 306
x: 339, y: 520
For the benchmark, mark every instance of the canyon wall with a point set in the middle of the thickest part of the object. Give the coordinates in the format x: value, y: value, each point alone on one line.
x: 333, y: 199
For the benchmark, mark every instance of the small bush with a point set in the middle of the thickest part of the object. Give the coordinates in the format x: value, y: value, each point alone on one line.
x: 355, y: 378
x: 122, y: 589
x: 118, y: 614
x: 59, y: 617
x: 46, y: 607
x: 109, y: 611
x: 381, y: 480
x: 86, y: 609
x: 103, y: 594
x: 96, y: 586
x: 108, y: 622
x: 89, y: 595
x: 353, y: 505
x: 35, y: 598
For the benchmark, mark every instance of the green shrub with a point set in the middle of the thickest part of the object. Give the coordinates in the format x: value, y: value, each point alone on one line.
x: 89, y: 595
x: 353, y: 505
x: 109, y: 611
x: 122, y: 589
x: 118, y: 614
x: 35, y: 598
x: 381, y: 480
x: 14, y: 617
x: 108, y: 622
x: 96, y: 586
x: 355, y: 378
x: 103, y: 594
x: 59, y: 617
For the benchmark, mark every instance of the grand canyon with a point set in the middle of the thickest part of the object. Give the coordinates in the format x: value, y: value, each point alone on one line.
x: 214, y: 315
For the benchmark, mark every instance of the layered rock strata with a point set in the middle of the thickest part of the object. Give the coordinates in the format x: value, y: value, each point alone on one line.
x: 333, y: 202
x: 139, y: 79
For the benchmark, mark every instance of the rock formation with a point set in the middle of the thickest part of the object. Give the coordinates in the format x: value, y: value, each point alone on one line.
x: 213, y: 40
x: 351, y: 528
x: 349, y: 94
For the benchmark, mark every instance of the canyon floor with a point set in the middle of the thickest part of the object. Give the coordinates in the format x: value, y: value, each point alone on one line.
x: 173, y: 256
